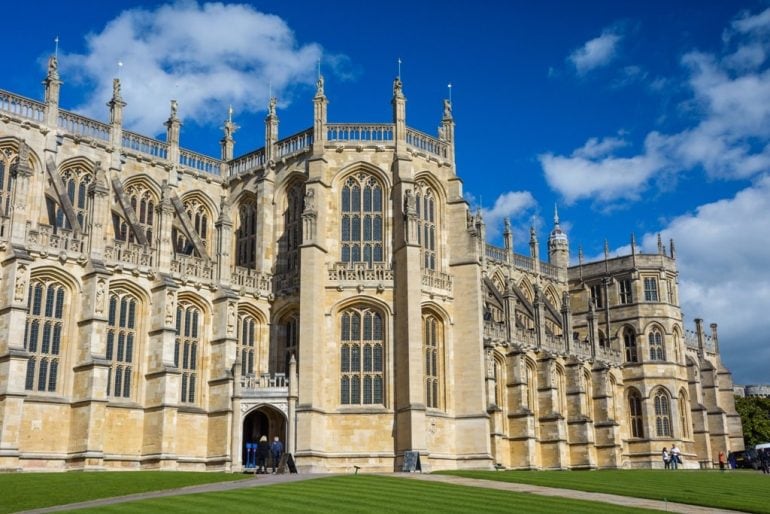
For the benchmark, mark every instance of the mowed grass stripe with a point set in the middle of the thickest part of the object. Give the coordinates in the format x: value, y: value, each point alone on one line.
x: 364, y: 493
x: 738, y: 490
x: 24, y: 491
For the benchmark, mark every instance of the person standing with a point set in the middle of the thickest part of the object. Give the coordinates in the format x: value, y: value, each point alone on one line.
x: 276, y: 450
x: 675, y: 460
x: 666, y: 459
x: 721, y: 461
x: 263, y: 450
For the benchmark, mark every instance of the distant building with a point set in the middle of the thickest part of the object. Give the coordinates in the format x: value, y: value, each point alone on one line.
x: 753, y: 391
x: 161, y: 309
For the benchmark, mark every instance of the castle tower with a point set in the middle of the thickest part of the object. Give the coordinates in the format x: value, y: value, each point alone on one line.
x: 558, y: 244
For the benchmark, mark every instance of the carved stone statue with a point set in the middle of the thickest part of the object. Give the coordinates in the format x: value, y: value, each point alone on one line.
x: 271, y: 106
x: 309, y: 200
x: 53, y: 66
x: 447, y: 108
x: 230, y: 318
x: 100, y: 297
x: 21, y: 284
x: 169, y: 308
x: 410, y: 203
x: 174, y: 108
x: 319, y: 86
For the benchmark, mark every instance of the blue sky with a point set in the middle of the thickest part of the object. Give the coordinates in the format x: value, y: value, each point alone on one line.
x: 645, y: 118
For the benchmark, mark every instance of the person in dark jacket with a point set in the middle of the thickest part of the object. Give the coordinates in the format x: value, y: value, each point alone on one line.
x: 276, y: 450
x: 263, y: 451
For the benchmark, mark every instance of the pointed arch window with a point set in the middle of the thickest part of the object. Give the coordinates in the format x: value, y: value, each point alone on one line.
x: 433, y: 335
x: 248, y: 332
x: 187, y: 346
x: 629, y: 343
x: 662, y: 414
x: 144, y: 204
x: 426, y: 224
x: 291, y: 343
x: 655, y: 340
x: 246, y: 235
x: 362, y: 355
x: 295, y: 199
x: 362, y: 239
x: 684, y: 421
x: 44, y: 334
x: 121, y: 342
x: 76, y: 180
x: 636, y: 419
x: 7, y: 160
x: 199, y: 217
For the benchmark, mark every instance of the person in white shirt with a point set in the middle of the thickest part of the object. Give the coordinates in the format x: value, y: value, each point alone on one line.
x: 675, y: 459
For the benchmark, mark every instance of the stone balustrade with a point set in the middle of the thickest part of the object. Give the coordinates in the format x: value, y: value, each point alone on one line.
x: 295, y: 144
x: 360, y: 272
x: 252, y: 280
x: 426, y: 143
x: 46, y: 238
x: 22, y: 107
x: 265, y: 381
x: 144, y: 145
x: 129, y: 253
x: 493, y: 253
x: 360, y: 132
x: 199, y: 162
x: 249, y: 162
x: 81, y: 126
x: 188, y: 265
x: 495, y: 331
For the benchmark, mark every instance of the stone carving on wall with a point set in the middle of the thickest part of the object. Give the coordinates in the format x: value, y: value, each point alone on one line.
x: 101, y: 295
x: 169, y: 308
x: 231, y: 318
x: 21, y: 284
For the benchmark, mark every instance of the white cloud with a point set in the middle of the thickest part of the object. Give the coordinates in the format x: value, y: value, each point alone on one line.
x: 723, y: 256
x: 595, y: 53
x: 518, y: 206
x: 205, y: 56
x: 729, y: 139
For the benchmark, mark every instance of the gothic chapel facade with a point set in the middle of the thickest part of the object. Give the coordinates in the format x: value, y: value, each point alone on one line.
x: 159, y: 309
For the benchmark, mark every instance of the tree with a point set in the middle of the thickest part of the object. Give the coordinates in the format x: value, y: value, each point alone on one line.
x: 755, y: 416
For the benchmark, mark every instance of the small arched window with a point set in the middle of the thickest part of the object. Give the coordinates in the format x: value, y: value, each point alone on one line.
x: 248, y: 332
x: 144, y: 203
x: 655, y: 340
x: 121, y: 342
x: 426, y: 224
x: 635, y: 417
x: 290, y: 344
x: 432, y: 346
x: 187, y: 346
x: 662, y: 414
x: 199, y: 218
x: 629, y: 343
x: 246, y: 235
x: 292, y: 219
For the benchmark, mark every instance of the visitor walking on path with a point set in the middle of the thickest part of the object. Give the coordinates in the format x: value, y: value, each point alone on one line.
x: 276, y: 450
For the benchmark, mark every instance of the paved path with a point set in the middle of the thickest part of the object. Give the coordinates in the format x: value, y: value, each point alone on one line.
x: 624, y: 501
x: 262, y: 480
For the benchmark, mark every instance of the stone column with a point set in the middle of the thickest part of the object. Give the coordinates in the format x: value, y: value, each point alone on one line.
x: 221, y: 384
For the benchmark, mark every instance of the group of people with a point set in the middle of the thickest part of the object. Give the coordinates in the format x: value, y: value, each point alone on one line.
x: 273, y: 450
x: 671, y: 459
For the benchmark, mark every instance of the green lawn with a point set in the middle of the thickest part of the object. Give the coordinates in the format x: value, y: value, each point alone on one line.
x: 22, y: 491
x: 363, y: 493
x: 738, y: 490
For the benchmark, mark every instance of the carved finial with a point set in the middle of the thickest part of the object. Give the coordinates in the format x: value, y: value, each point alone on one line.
x: 660, y: 244
x: 507, y: 226
x: 398, y: 87
x: 174, y: 109
x: 532, y: 236
x: 447, y: 109
x: 555, y: 214
x: 673, y: 248
x: 606, y: 250
x: 53, y: 67
x: 580, y: 254
x: 271, y: 106
x: 633, y: 243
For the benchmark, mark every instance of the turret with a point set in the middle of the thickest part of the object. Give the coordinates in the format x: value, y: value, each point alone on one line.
x: 558, y: 244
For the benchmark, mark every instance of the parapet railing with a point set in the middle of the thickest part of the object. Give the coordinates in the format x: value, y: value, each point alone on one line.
x: 248, y: 162
x: 500, y: 255
x: 22, y: 107
x: 496, y: 254
x: 360, y: 132
x: 199, y: 162
x: 265, y: 381
x: 360, y: 272
x: 252, y: 279
x: 131, y: 253
x: 433, y: 279
x: 193, y: 266
x: 52, y: 238
x: 426, y: 143
x: 294, y: 144
x: 145, y: 145
x: 82, y: 126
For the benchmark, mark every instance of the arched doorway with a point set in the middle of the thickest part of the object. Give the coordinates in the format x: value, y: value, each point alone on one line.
x: 264, y: 420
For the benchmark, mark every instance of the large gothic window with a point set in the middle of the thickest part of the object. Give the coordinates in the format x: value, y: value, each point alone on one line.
x: 426, y: 228
x: 43, y: 335
x: 662, y: 414
x: 629, y: 342
x: 362, y: 219
x: 361, y: 357
x: 76, y: 180
x: 143, y: 203
x: 290, y: 344
x: 432, y: 347
x: 199, y: 218
x: 187, y: 347
x: 7, y: 159
x: 635, y: 414
x: 655, y: 340
x: 247, y: 343
x: 246, y: 236
x: 292, y: 219
x: 121, y: 338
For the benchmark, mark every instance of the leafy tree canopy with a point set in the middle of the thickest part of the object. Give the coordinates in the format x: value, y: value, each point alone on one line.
x: 755, y: 416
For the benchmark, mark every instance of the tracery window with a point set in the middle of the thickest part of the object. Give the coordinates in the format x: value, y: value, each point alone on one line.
x: 121, y: 338
x: 362, y: 220
x: 626, y: 294
x: 7, y: 160
x: 143, y: 203
x: 426, y: 224
x: 187, y: 347
x: 199, y: 217
x: 290, y: 344
x: 629, y: 342
x: 76, y: 180
x: 246, y: 235
x: 43, y: 335
x: 650, y: 289
x: 361, y: 357
x: 293, y: 225
x: 247, y: 337
x: 655, y: 340
x: 662, y: 414
x: 432, y: 348
x: 635, y: 414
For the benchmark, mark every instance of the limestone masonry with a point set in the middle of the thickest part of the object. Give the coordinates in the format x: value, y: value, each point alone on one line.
x: 159, y: 309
